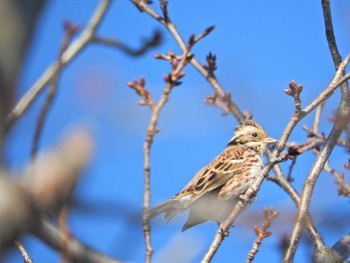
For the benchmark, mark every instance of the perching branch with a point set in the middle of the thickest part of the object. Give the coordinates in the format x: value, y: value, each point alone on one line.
x: 241, y: 204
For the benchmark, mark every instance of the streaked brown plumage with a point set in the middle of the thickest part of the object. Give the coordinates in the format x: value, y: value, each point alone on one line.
x: 215, y: 189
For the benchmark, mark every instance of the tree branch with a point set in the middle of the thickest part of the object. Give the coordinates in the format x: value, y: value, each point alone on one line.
x: 171, y: 80
x: 233, y: 108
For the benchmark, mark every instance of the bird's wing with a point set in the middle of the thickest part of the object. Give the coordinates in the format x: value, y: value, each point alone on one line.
x: 217, y: 173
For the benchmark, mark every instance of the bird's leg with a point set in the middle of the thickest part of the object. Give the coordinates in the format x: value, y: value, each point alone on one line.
x: 246, y: 200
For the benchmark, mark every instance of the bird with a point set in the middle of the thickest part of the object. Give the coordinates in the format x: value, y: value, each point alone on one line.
x: 216, y: 188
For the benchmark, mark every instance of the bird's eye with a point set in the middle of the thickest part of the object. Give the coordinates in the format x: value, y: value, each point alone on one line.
x: 254, y: 134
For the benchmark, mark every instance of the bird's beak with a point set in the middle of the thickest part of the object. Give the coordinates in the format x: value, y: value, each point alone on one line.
x: 269, y: 140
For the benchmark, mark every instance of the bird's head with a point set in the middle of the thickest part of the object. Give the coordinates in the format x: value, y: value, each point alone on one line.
x: 252, y: 135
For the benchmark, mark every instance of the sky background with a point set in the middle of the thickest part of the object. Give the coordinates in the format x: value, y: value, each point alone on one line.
x: 260, y: 47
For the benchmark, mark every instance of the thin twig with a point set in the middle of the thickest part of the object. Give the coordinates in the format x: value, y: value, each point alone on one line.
x: 343, y: 187
x: 171, y: 80
x: 72, y: 51
x: 24, y: 253
x: 146, y: 45
x: 341, y: 141
x: 261, y: 233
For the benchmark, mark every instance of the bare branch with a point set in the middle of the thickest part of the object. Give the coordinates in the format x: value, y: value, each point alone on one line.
x: 78, y: 252
x: 141, y: 5
x: 178, y: 63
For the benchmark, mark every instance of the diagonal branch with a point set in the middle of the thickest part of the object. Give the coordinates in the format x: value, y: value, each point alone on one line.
x: 78, y: 252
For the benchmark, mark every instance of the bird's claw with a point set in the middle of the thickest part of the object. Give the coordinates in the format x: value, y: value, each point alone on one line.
x: 224, y: 232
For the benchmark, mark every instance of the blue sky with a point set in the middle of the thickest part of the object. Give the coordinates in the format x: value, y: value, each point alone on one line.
x: 260, y: 47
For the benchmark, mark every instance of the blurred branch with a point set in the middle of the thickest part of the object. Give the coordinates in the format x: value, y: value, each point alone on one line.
x: 71, y: 52
x: 69, y: 31
x: 16, y: 39
x: 48, y: 181
x: 78, y: 252
x: 145, y: 46
x: 261, y: 232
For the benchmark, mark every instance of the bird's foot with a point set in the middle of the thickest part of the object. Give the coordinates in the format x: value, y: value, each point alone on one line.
x: 224, y: 232
x: 247, y: 200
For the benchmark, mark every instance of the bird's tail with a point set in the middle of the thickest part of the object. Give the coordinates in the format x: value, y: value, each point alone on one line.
x: 170, y: 208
